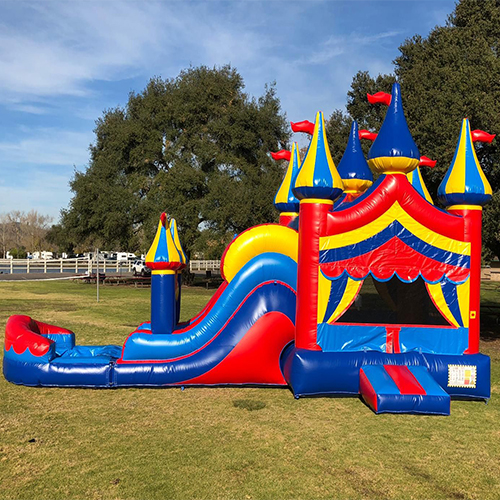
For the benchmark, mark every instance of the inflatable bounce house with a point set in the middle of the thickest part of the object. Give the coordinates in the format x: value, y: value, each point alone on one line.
x: 292, y: 310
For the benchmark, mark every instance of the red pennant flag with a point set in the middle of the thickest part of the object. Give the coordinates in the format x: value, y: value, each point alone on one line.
x: 282, y: 155
x: 305, y: 126
x: 382, y: 97
x: 366, y: 134
x: 163, y: 218
x: 427, y: 162
x: 482, y: 136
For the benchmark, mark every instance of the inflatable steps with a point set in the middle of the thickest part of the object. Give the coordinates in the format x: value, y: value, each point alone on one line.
x: 402, y: 389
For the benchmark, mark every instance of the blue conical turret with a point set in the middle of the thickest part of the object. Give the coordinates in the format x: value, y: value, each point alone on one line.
x: 353, y: 168
x: 394, y: 150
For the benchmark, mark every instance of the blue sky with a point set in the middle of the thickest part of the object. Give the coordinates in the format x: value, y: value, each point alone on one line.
x: 63, y: 63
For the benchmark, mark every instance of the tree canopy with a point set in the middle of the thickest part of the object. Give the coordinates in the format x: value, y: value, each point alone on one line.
x: 195, y: 146
x: 451, y: 74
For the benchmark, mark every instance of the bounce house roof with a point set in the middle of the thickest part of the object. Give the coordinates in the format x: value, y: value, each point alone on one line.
x: 391, y: 230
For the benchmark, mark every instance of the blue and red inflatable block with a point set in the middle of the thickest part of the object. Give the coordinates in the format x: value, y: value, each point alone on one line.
x: 402, y: 389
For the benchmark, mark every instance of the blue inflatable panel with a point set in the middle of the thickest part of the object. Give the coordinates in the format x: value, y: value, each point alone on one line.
x: 315, y: 373
x: 381, y: 392
x: 85, y: 374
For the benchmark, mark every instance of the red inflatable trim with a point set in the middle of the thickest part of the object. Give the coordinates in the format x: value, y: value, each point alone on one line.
x: 165, y: 266
x: 379, y: 97
x: 366, y: 390
x: 427, y: 162
x: 366, y: 134
x: 405, y: 380
x: 23, y: 332
x: 281, y: 155
x: 482, y: 136
x: 304, y: 126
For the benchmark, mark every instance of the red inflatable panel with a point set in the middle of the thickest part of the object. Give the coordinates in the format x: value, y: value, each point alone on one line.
x: 405, y: 380
x: 256, y: 358
x: 23, y: 332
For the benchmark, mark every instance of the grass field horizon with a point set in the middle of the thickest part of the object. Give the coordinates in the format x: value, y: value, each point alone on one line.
x: 233, y: 442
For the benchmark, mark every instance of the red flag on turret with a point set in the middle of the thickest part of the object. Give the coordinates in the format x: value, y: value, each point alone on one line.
x: 366, y: 134
x: 427, y: 162
x: 282, y: 155
x: 382, y: 97
x: 304, y: 126
x: 482, y: 136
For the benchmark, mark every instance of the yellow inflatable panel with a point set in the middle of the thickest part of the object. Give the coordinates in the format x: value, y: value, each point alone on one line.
x: 255, y: 241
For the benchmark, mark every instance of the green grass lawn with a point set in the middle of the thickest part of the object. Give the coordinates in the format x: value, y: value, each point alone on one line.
x: 226, y: 442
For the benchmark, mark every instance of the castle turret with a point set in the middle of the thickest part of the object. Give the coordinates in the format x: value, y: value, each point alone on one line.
x: 464, y: 190
x: 417, y: 181
x: 318, y: 178
x: 394, y: 150
x: 285, y: 201
x: 353, y: 168
x: 164, y: 260
x: 317, y: 185
x: 465, y: 182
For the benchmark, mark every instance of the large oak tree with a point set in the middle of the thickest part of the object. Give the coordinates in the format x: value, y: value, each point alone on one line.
x: 195, y: 146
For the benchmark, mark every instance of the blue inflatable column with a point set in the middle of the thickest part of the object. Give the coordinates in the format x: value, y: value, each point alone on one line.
x: 164, y: 286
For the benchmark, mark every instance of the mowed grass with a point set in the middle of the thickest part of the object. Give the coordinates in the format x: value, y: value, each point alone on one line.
x: 225, y: 442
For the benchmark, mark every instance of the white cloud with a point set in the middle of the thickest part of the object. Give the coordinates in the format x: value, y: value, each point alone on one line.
x: 70, y: 44
x: 29, y: 108
x: 344, y: 44
x: 46, y: 147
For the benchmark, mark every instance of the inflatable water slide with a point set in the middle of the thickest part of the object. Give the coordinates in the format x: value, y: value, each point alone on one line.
x: 296, y: 307
x: 236, y: 339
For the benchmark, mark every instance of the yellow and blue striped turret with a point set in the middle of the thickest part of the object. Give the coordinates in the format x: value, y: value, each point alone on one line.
x: 177, y: 242
x: 465, y: 182
x: 394, y: 150
x: 285, y: 200
x: 417, y: 181
x: 163, y: 254
x: 318, y: 177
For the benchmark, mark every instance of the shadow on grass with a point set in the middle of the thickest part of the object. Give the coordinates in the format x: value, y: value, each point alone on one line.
x: 249, y: 404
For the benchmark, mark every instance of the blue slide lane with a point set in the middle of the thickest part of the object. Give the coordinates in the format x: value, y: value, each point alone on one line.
x: 263, y: 268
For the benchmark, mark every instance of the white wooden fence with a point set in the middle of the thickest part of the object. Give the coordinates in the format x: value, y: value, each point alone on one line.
x: 82, y: 266
x: 204, y: 265
x: 76, y: 266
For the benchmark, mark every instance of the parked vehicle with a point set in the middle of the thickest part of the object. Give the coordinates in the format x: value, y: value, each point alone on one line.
x: 139, y: 268
x: 124, y: 256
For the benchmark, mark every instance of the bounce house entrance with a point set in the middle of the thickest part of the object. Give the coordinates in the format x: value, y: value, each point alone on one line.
x: 393, y: 302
